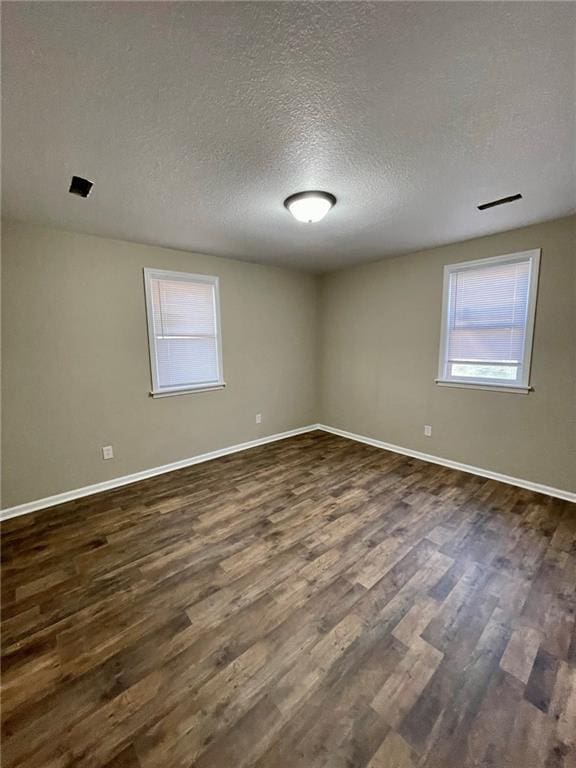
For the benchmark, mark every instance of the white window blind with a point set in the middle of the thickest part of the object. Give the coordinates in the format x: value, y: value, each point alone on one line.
x: 183, y: 331
x: 488, y: 320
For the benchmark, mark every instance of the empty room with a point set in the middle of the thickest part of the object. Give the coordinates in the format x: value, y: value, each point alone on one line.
x: 288, y: 384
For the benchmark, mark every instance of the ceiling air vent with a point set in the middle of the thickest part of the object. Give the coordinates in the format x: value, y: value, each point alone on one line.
x: 501, y: 201
x: 80, y: 186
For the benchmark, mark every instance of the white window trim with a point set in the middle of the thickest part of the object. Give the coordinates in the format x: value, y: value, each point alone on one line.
x: 162, y: 274
x: 522, y: 387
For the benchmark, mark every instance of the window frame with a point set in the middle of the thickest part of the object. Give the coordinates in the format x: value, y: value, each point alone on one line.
x: 522, y: 386
x: 185, y: 277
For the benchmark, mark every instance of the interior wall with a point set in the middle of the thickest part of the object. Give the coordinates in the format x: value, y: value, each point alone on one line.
x: 76, y: 372
x: 356, y: 349
x: 379, y: 341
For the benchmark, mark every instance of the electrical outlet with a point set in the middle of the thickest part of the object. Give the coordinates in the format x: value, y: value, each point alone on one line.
x: 258, y: 418
x: 427, y: 430
x: 107, y: 452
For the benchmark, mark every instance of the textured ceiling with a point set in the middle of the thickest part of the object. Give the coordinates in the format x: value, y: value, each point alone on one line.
x: 196, y: 120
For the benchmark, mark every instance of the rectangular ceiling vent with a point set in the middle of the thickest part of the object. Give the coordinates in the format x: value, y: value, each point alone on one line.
x: 501, y: 201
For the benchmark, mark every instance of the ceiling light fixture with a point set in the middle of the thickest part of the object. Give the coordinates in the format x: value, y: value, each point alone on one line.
x: 309, y: 207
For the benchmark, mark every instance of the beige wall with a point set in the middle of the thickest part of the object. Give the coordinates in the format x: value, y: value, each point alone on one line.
x: 76, y: 371
x: 76, y: 368
x: 380, y: 327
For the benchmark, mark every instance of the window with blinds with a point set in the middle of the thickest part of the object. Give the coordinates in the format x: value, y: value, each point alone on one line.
x: 488, y: 321
x: 183, y: 331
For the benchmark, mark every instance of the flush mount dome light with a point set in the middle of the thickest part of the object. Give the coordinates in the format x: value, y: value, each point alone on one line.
x: 310, y: 206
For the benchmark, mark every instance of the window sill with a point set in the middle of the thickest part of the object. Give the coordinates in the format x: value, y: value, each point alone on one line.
x: 188, y: 390
x: 510, y: 388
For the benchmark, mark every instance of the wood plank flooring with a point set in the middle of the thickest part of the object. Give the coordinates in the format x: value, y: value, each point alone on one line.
x: 314, y: 603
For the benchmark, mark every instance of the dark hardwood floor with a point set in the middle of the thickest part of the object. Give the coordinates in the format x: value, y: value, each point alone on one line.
x: 311, y: 603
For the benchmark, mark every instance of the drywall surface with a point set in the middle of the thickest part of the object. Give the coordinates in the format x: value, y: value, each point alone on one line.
x: 358, y: 352
x: 380, y: 335
x: 195, y: 120
x: 76, y: 372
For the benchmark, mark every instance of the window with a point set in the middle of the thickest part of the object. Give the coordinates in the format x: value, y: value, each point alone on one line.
x: 487, y: 322
x: 183, y: 332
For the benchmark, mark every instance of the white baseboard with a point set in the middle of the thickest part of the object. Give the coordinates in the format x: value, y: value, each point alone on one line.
x: 117, y: 482
x: 528, y: 484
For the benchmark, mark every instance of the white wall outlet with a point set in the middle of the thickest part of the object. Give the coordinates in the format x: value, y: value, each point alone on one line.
x: 107, y: 452
x: 258, y: 418
x: 427, y: 430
